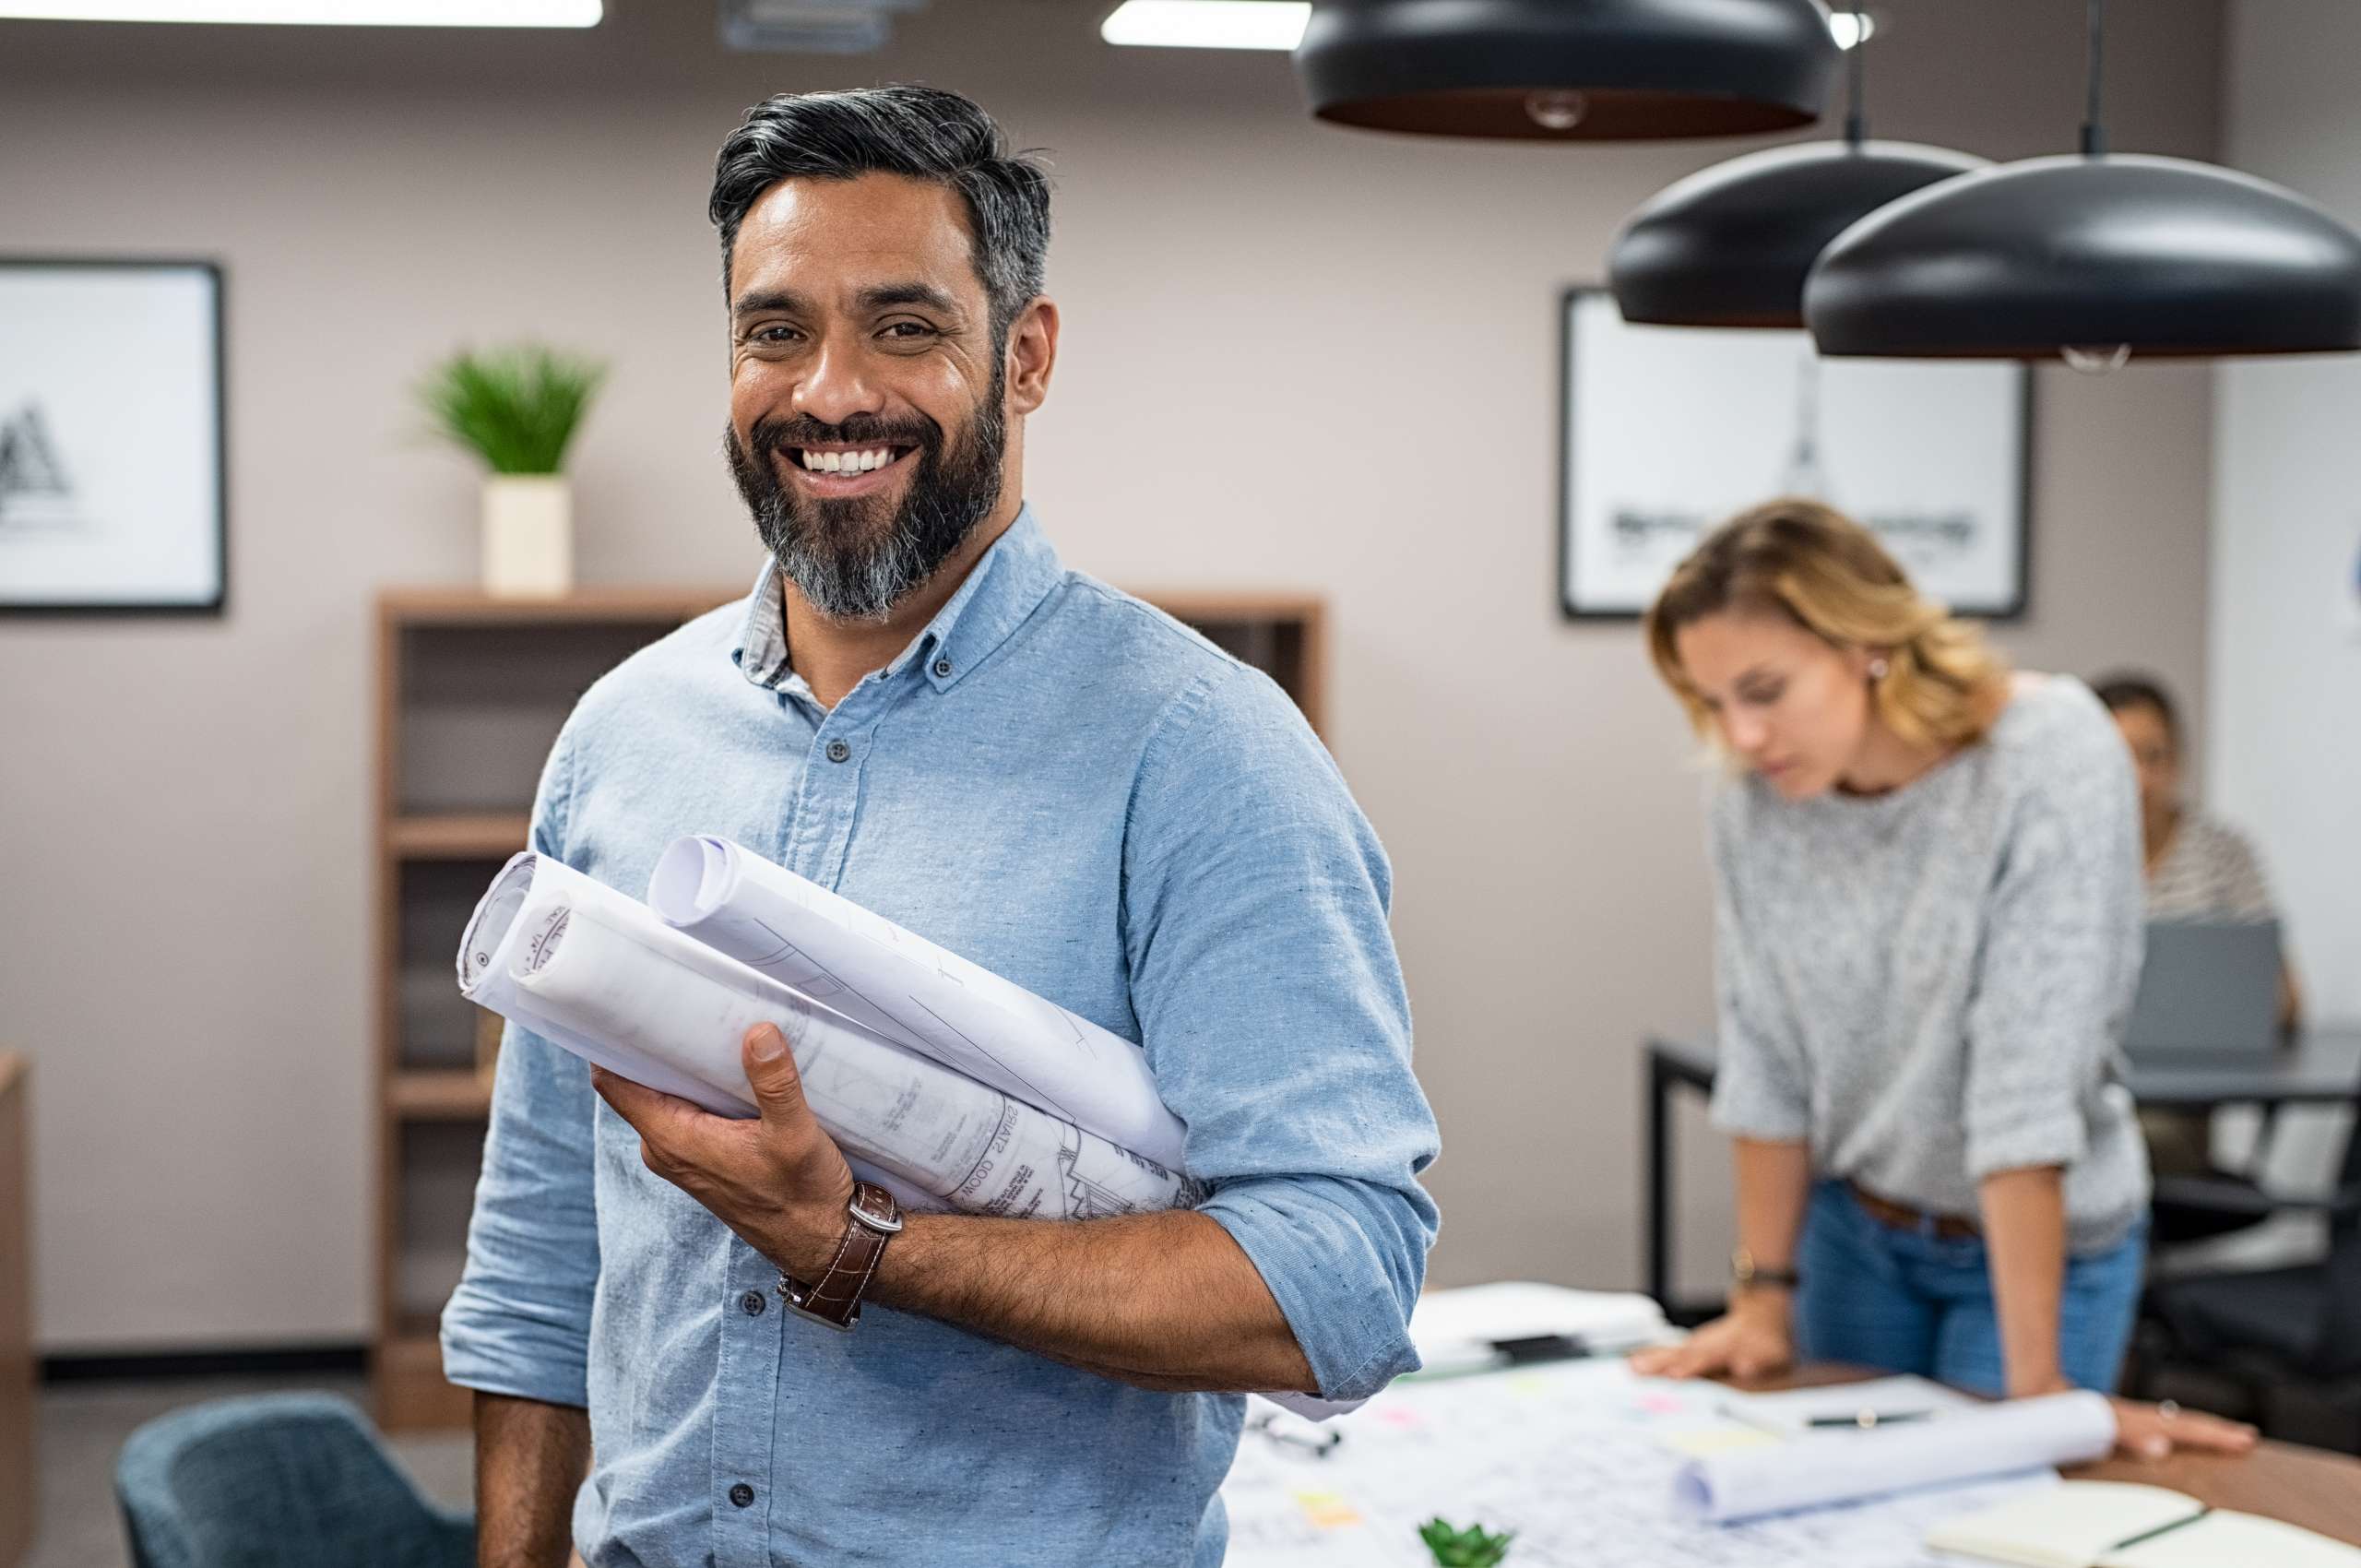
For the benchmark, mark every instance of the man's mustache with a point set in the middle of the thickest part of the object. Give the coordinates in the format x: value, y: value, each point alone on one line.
x: 773, y: 436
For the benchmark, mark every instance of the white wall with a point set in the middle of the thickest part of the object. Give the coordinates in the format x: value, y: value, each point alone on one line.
x: 2283, y: 758
x: 1267, y: 322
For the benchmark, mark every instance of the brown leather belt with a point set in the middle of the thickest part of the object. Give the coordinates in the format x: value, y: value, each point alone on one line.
x: 1918, y: 1221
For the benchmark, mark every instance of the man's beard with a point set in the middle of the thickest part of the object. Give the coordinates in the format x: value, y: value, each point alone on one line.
x: 849, y: 561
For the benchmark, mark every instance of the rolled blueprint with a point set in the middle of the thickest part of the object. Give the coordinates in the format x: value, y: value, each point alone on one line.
x: 906, y: 989
x: 598, y: 974
x: 1948, y: 1448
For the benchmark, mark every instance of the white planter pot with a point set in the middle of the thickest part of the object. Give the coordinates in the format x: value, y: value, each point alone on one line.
x: 527, y: 536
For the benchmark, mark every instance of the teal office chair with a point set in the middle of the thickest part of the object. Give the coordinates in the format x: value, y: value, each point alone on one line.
x: 293, y: 1480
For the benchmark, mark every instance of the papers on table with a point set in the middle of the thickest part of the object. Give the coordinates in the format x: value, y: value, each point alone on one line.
x: 1462, y: 1330
x: 1881, y: 1401
x: 1838, y: 1466
x: 1579, y: 1459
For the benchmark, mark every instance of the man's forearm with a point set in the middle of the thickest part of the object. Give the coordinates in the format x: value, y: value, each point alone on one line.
x: 1161, y: 1300
x: 2024, y: 1231
x: 530, y: 1459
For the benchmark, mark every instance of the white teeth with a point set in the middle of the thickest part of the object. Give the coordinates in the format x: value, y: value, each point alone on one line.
x: 847, y: 462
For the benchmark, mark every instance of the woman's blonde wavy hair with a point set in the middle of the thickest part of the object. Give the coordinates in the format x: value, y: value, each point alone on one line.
x: 1943, y: 684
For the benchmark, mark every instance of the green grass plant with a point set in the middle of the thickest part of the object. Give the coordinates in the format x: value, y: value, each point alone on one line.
x: 515, y: 407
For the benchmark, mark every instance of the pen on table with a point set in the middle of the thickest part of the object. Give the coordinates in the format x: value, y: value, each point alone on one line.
x: 1867, y: 1420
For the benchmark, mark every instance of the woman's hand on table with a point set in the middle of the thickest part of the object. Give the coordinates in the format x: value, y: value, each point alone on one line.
x: 2153, y: 1432
x: 1753, y: 1341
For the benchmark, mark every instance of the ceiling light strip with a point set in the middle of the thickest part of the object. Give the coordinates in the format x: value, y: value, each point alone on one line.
x: 1208, y: 24
x: 316, y: 13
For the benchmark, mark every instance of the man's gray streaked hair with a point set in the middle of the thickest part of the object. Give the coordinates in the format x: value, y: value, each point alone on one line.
x: 919, y: 132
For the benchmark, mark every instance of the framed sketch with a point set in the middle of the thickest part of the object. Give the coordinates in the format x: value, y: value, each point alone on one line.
x: 1668, y: 430
x: 113, y: 494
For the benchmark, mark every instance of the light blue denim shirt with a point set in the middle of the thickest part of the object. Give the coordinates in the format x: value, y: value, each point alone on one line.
x: 1066, y: 786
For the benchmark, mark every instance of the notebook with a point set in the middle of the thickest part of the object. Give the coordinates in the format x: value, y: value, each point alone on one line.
x: 2122, y: 1524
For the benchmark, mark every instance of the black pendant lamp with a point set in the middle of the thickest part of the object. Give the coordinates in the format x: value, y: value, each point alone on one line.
x: 2097, y: 256
x: 1568, y: 70
x: 1729, y: 246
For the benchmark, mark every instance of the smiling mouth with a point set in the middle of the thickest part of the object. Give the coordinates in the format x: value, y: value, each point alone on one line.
x: 848, y: 461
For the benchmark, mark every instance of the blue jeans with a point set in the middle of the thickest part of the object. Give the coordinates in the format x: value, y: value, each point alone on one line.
x: 1906, y: 1301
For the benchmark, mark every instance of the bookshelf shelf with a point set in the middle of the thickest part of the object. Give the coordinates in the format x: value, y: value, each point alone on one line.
x: 457, y: 836
x: 438, y: 1094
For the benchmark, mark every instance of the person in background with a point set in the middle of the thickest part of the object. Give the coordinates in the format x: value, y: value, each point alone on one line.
x: 1927, y: 930
x: 2197, y: 868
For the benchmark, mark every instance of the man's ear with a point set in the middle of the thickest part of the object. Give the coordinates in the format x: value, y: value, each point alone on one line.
x: 1032, y: 356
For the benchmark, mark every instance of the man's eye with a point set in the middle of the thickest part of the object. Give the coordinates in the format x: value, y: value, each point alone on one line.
x: 907, y: 330
x: 773, y: 333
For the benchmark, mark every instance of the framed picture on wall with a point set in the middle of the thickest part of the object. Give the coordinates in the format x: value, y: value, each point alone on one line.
x: 112, y: 496
x: 1666, y: 431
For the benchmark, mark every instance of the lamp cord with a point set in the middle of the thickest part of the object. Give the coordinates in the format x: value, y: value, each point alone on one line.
x: 1856, y: 124
x: 2093, y: 128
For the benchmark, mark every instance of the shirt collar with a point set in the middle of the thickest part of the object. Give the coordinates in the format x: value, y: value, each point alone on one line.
x: 1003, y: 590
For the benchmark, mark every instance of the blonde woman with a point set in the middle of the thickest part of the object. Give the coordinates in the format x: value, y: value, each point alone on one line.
x: 1927, y: 934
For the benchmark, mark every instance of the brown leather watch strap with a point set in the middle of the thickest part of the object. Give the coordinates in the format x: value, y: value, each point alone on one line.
x: 872, y: 1220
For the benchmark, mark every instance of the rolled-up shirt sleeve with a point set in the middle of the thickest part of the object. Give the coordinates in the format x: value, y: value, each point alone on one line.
x: 519, y: 1322
x: 1762, y: 1086
x: 2057, y: 965
x: 1273, y: 1013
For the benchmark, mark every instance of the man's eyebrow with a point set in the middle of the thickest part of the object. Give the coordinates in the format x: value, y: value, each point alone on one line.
x: 767, y: 299
x: 886, y: 296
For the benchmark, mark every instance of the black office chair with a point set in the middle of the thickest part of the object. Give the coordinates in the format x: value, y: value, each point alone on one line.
x: 2273, y: 1332
x: 2184, y: 1209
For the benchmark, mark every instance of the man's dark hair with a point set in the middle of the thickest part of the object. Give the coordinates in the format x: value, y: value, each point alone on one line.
x: 2126, y: 689
x: 921, y: 133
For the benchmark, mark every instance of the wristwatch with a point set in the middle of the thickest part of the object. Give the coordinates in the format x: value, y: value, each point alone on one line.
x: 1746, y: 1273
x: 834, y: 1297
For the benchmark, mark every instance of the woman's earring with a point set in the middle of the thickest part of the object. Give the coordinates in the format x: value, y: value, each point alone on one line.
x: 1877, y: 669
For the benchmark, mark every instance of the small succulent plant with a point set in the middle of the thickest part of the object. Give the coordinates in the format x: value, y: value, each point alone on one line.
x: 1471, y: 1548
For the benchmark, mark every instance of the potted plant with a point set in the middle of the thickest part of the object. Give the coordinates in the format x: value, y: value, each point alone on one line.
x: 517, y: 410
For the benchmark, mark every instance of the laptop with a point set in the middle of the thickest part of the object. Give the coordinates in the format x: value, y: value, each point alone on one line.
x: 2209, y: 988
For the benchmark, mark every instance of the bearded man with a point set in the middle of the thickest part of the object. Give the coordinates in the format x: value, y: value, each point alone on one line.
x: 919, y: 707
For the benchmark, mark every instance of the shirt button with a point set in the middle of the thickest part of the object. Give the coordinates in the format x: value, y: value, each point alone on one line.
x: 741, y: 1494
x: 943, y: 668
x: 838, y: 751
x: 751, y: 1303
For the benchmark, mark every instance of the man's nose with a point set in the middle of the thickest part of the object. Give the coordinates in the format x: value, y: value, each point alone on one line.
x: 837, y: 384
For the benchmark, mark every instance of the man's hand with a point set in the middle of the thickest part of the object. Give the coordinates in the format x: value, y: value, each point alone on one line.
x: 781, y: 1184
x: 1168, y: 1301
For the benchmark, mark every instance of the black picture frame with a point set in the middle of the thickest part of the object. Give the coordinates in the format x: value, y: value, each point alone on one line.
x: 215, y: 379
x: 2014, y: 607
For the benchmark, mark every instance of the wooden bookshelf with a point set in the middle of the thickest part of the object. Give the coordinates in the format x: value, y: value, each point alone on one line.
x: 470, y: 693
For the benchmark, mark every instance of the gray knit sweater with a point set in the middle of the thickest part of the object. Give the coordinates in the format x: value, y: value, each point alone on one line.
x: 1931, y: 985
